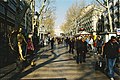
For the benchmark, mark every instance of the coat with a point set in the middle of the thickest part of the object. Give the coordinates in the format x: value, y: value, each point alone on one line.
x: 111, y: 50
x: 81, y: 46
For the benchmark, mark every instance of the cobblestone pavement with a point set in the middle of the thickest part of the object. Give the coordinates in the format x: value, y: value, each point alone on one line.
x: 60, y: 65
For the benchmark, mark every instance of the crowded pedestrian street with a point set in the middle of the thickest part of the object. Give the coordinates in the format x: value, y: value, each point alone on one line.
x: 61, y: 65
x: 59, y: 39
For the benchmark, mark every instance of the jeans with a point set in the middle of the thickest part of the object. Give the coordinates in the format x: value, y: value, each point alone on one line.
x: 111, y: 63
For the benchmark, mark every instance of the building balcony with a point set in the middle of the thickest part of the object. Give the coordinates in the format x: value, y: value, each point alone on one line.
x: 110, y: 1
x: 115, y: 9
x: 117, y: 3
x: 105, y: 13
x: 110, y: 4
x: 2, y: 9
x: 116, y: 19
x: 107, y: 18
x: 117, y: 12
x: 112, y: 7
x: 106, y: 22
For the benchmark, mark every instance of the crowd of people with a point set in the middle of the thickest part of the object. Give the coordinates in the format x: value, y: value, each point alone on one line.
x: 80, y: 46
x: 109, y: 51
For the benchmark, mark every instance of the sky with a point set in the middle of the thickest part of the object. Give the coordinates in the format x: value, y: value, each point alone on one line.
x: 61, y: 9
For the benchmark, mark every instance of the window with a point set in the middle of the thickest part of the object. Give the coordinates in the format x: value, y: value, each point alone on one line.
x: 2, y: 10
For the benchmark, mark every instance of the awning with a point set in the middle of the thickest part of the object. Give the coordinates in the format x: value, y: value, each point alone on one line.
x: 82, y: 33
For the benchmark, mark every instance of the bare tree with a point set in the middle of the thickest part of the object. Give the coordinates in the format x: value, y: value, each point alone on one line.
x: 64, y: 27
x: 72, y: 14
x: 105, y: 4
x: 48, y: 16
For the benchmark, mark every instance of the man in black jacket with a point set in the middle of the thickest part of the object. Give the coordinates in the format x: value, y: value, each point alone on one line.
x: 81, y: 48
x: 77, y: 45
x: 111, y: 51
x: 71, y: 45
x: 52, y: 43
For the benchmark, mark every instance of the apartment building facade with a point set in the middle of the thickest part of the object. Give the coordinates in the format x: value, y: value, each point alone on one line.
x: 103, y: 24
x: 8, y: 12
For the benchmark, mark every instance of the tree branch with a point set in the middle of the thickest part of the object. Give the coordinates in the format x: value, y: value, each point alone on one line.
x: 101, y: 3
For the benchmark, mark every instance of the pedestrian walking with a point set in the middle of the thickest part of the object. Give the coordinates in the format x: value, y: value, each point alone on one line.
x: 99, y: 45
x: 111, y: 51
x: 83, y: 50
x: 77, y: 47
x: 30, y: 50
x: 35, y: 43
x: 71, y: 45
x: 118, y: 58
x: 91, y: 43
x: 67, y: 42
x: 52, y: 43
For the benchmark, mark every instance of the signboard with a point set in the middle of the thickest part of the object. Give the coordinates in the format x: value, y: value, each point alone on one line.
x: 118, y: 31
x: 108, y: 37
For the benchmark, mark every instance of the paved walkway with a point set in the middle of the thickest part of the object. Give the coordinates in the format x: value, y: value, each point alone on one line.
x: 60, y: 65
x: 6, y: 70
x: 10, y: 70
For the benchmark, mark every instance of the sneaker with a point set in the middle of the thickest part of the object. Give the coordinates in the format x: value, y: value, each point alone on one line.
x: 111, y: 78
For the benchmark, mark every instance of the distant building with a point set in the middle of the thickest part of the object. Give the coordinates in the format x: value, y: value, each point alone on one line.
x: 87, y: 21
x: 90, y: 18
x: 103, y: 24
x: 8, y: 12
x: 58, y: 32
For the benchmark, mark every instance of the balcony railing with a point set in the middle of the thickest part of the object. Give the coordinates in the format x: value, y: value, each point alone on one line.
x: 116, y: 10
x: 117, y: 3
x: 116, y: 19
x: 106, y: 21
x: 110, y: 4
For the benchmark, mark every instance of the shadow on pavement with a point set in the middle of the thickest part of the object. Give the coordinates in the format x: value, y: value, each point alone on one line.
x: 47, y: 79
x: 60, y: 47
x: 43, y: 51
x: 85, y: 75
x: 44, y: 56
x: 22, y: 74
